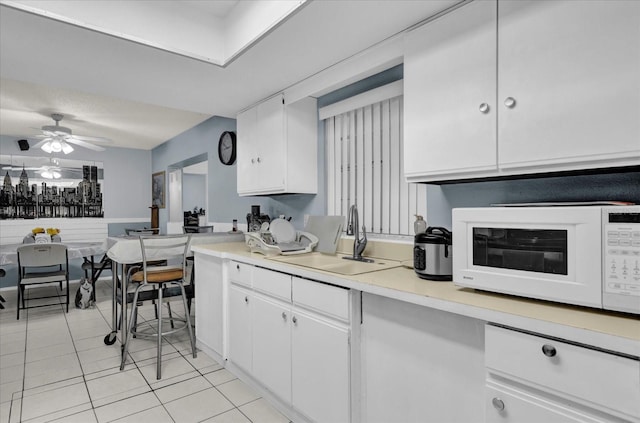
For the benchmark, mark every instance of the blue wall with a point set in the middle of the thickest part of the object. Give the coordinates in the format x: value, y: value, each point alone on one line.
x: 224, y: 203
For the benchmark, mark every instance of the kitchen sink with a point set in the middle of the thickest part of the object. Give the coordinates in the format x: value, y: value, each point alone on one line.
x: 336, y: 263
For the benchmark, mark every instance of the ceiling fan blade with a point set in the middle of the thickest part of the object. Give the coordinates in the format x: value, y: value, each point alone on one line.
x: 81, y: 143
x: 92, y: 139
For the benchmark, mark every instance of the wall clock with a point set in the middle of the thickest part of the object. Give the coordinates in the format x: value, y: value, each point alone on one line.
x: 227, y: 148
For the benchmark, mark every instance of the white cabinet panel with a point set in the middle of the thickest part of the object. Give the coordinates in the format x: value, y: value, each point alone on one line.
x: 209, y: 302
x: 449, y: 72
x: 240, y: 331
x: 420, y: 364
x: 573, y: 69
x: 320, y: 369
x: 272, y: 345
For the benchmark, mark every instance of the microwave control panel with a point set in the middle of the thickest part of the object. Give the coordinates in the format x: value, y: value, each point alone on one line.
x: 621, y: 252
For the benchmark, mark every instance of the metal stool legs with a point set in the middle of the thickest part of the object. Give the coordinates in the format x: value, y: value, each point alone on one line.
x: 133, y: 326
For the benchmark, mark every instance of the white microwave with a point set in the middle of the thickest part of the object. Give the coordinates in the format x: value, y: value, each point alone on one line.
x: 583, y: 255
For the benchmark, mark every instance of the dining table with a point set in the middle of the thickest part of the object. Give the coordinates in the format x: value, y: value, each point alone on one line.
x: 126, y: 250
x: 75, y: 250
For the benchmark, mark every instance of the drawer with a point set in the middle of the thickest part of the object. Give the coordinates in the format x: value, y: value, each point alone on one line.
x: 272, y: 283
x: 322, y: 298
x: 604, y: 379
x: 240, y: 273
x: 508, y: 405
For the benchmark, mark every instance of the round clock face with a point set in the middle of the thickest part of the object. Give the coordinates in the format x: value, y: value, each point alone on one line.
x: 227, y: 148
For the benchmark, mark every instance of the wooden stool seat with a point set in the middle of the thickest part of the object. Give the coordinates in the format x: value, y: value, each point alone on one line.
x: 158, y: 276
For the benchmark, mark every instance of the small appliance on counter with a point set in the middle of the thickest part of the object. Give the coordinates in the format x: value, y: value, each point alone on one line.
x: 432, y: 254
x: 255, y: 219
x: 280, y: 237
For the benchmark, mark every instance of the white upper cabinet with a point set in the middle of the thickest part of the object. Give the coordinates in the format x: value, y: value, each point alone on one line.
x: 449, y: 94
x: 277, y: 147
x: 573, y: 69
x: 559, y: 92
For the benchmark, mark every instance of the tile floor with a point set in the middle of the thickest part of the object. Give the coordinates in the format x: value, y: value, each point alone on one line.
x: 55, y: 367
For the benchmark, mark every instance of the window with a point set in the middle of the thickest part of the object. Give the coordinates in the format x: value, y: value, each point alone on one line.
x: 365, y: 167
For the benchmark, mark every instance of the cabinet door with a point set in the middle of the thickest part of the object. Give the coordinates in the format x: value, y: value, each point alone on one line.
x: 272, y: 346
x: 270, y: 155
x: 320, y: 369
x: 246, y: 125
x: 573, y: 69
x: 449, y: 94
x: 240, y: 349
x: 209, y: 318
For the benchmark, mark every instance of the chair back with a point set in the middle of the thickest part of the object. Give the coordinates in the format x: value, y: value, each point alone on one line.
x: 172, y: 248
x: 40, y: 255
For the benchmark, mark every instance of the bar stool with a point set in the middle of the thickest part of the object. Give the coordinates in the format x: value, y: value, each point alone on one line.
x: 174, y: 249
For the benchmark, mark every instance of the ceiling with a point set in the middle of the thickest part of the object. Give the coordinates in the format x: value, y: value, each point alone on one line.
x: 140, y: 94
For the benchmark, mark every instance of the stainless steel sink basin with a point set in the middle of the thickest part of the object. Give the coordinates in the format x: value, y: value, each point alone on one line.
x: 336, y: 264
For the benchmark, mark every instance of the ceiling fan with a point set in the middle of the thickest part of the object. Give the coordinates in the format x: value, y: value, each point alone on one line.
x: 56, y: 138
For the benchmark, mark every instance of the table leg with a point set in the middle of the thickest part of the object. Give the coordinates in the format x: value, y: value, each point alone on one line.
x: 110, y: 339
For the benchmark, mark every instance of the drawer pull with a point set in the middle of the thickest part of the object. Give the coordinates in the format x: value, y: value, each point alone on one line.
x: 284, y: 316
x: 294, y: 320
x: 238, y: 267
x: 549, y: 350
x: 484, y: 108
x: 498, y: 404
x: 246, y: 299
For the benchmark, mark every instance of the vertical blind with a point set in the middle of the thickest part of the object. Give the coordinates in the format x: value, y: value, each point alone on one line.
x: 365, y: 167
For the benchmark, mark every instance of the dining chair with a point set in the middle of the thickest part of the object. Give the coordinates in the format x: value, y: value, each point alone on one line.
x: 173, y: 249
x: 42, y: 264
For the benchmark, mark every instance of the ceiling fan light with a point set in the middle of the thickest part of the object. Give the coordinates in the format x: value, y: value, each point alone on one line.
x: 56, y: 146
x: 46, y: 147
x: 66, y: 148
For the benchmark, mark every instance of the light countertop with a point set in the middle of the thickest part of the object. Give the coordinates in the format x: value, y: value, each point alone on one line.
x: 604, y: 329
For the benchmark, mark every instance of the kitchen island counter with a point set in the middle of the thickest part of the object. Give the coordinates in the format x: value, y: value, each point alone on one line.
x: 603, y: 329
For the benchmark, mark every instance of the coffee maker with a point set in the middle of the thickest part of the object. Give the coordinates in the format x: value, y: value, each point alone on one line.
x: 255, y: 219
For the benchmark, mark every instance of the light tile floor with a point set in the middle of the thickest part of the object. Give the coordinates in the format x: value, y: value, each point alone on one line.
x: 55, y: 367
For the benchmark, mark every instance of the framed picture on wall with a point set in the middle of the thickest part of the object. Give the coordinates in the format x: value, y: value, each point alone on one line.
x: 157, y: 189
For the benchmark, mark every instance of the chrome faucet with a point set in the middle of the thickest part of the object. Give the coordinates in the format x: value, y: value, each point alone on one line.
x: 359, y: 244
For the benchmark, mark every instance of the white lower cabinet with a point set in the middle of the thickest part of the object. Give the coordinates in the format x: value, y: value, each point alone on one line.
x: 209, y: 303
x: 292, y: 336
x: 240, y: 339
x: 320, y: 368
x: 533, y: 378
x: 272, y: 345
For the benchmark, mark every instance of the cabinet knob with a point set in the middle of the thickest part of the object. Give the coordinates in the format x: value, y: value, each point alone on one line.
x: 484, y: 108
x: 549, y: 350
x: 253, y: 160
x: 510, y: 102
x: 284, y: 316
x: 294, y: 320
x: 246, y: 299
x: 238, y: 267
x: 498, y: 404
x: 258, y: 159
